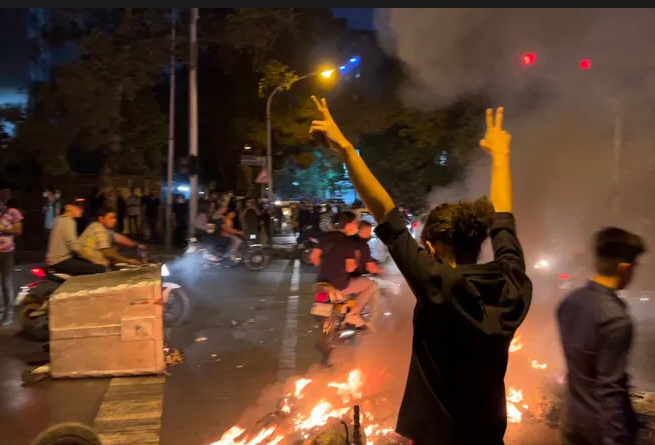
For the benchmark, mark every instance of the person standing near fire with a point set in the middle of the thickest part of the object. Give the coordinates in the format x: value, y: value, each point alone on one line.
x: 596, y: 333
x: 466, y: 313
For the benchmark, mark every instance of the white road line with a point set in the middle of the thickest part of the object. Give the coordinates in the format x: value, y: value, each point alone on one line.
x: 130, y: 413
x: 287, y: 365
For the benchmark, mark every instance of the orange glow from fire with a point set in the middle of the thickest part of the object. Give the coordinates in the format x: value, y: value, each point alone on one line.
x: 335, y: 401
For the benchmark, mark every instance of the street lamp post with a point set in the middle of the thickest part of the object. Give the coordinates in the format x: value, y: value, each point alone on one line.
x: 269, y: 131
x: 171, y: 140
x: 193, y: 118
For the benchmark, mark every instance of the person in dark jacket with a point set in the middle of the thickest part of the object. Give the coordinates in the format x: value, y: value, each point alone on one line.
x: 596, y: 332
x: 466, y: 313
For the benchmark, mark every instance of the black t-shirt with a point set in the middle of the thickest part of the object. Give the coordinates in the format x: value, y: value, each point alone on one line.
x: 337, y: 248
x: 364, y: 254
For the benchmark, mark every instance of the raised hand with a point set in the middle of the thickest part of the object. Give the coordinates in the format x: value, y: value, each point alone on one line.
x: 496, y: 140
x: 328, y: 128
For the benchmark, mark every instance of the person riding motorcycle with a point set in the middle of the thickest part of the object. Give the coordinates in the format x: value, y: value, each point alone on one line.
x: 336, y: 259
x: 65, y: 253
x: 98, y: 240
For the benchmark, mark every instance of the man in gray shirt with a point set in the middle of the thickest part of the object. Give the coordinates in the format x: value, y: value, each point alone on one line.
x: 65, y: 254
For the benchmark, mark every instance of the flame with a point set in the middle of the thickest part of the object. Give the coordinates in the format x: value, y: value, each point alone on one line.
x: 304, y: 421
x: 516, y: 344
x: 300, y: 385
x: 303, y: 417
x: 514, y: 396
x: 536, y: 365
x: 351, y: 389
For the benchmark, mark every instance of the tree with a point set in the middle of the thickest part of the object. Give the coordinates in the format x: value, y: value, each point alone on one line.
x: 103, y: 101
x: 309, y: 174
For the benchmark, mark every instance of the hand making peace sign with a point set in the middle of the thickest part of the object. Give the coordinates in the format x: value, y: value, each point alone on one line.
x: 496, y: 140
x: 328, y: 128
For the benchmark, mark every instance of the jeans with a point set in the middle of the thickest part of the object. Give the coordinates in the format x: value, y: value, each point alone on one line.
x: 367, y: 292
x: 6, y: 273
x: 78, y: 266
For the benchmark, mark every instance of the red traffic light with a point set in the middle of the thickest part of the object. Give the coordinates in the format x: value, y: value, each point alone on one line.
x: 585, y: 64
x: 528, y: 59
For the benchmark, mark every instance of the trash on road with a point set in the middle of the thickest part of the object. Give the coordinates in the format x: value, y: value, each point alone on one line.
x: 234, y: 323
x: 201, y: 339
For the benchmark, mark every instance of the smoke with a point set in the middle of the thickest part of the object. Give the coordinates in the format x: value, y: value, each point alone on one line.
x: 564, y: 120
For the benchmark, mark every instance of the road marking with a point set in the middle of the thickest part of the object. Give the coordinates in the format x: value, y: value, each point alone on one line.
x: 288, y: 352
x: 130, y: 413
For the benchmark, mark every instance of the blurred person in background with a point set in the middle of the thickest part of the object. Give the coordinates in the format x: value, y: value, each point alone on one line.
x: 133, y: 211
x: 250, y: 218
x: 180, y: 219
x: 121, y: 211
x: 10, y: 226
x: 152, y: 204
x: 596, y: 333
x: 466, y: 313
x: 51, y: 210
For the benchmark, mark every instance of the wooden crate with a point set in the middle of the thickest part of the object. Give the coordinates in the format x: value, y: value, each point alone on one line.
x: 108, y: 325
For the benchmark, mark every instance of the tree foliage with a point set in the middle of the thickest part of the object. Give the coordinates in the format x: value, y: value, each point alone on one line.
x: 103, y: 100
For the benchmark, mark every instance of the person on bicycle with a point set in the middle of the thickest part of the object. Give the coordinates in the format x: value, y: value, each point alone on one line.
x: 466, y: 313
x: 336, y: 258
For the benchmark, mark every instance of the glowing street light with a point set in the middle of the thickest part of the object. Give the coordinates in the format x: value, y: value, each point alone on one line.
x: 325, y: 74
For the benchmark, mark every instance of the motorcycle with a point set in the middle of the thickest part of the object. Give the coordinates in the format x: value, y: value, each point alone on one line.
x: 254, y: 256
x: 32, y: 301
x: 330, y: 307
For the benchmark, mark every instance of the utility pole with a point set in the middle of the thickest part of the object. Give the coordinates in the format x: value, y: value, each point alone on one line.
x: 171, y: 138
x: 193, y: 119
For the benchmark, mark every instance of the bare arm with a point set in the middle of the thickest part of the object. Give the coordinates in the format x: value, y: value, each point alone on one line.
x: 374, y: 196
x: 124, y: 240
x: 315, y: 257
x: 112, y: 255
x: 496, y: 142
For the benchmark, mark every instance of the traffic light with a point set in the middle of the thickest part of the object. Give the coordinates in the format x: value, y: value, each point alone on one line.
x: 585, y: 64
x: 528, y: 59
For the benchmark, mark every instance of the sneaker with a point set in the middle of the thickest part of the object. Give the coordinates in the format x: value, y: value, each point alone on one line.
x: 355, y: 320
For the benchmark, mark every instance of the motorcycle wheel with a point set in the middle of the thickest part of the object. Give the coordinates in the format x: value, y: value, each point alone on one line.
x: 69, y: 433
x: 177, y: 308
x: 36, y: 327
x: 256, y: 259
x: 327, y: 338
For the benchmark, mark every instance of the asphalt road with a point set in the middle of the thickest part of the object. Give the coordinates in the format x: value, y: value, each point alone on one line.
x: 247, y: 332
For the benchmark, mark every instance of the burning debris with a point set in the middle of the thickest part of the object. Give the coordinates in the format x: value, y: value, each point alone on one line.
x: 322, y: 412
x: 300, y: 420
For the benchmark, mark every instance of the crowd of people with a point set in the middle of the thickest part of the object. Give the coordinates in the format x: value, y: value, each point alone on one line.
x: 466, y: 313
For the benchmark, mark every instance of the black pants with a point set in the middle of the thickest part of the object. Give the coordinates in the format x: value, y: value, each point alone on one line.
x: 120, y: 223
x: 78, y: 266
x: 152, y: 226
x: 6, y: 274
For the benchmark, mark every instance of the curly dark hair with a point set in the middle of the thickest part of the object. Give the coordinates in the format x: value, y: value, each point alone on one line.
x: 461, y: 226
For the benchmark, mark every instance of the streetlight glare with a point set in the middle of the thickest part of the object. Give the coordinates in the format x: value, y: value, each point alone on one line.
x: 327, y: 73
